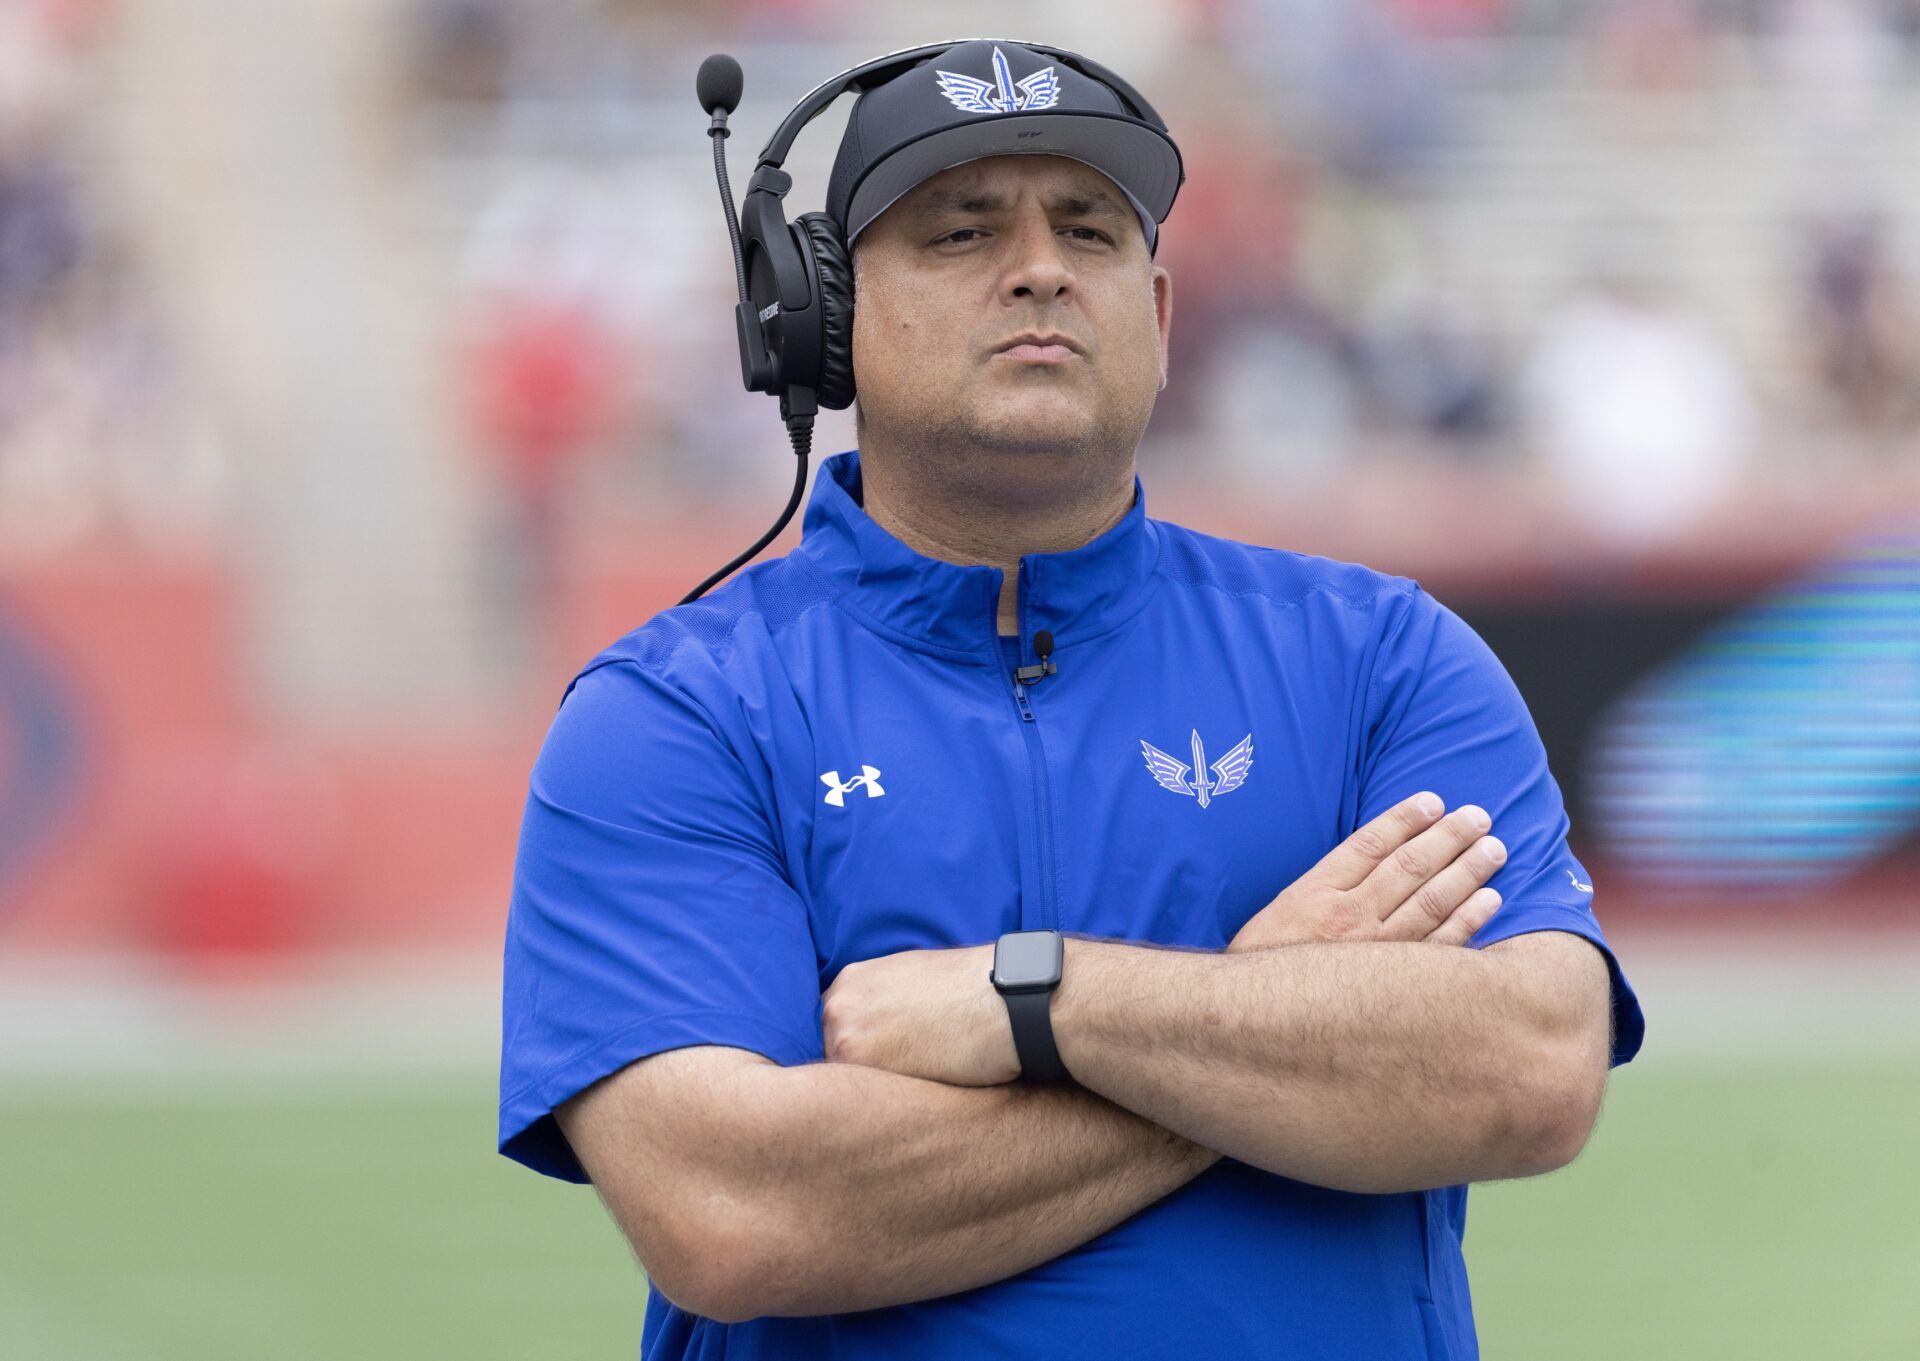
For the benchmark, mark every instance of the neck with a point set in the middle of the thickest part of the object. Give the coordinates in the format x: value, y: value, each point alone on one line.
x: 969, y: 518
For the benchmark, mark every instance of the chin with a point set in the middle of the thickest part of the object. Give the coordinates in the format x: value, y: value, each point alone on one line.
x: 1038, y: 425
x: 1059, y: 408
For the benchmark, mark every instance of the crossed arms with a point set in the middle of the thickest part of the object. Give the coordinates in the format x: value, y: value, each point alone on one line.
x: 1338, y: 1040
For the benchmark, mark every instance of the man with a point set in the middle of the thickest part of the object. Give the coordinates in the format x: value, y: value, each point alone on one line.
x: 778, y: 838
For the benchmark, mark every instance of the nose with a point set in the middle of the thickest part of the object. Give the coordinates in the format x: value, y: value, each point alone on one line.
x: 1036, y: 267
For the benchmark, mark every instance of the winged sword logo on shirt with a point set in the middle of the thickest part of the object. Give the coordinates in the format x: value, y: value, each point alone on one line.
x: 1041, y: 90
x: 1230, y: 771
x: 837, y: 792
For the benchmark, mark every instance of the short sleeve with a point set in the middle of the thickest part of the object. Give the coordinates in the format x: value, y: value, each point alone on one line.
x: 650, y: 908
x: 1443, y: 714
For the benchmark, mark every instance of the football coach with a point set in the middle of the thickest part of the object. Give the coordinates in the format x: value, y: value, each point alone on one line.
x: 1011, y: 925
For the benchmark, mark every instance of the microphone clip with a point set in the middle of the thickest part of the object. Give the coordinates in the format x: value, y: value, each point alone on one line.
x: 1043, y: 648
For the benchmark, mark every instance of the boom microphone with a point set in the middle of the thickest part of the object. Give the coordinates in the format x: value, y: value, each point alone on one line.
x: 718, y: 86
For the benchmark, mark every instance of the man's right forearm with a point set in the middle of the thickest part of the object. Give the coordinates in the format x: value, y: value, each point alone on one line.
x: 842, y: 1187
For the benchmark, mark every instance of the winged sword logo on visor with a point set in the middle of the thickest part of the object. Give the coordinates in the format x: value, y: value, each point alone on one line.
x: 1229, y: 772
x: 1002, y: 94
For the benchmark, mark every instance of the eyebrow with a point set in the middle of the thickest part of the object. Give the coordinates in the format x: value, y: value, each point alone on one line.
x: 1082, y: 203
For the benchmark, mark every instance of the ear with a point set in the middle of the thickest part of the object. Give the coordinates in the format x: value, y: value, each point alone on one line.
x: 1163, y: 314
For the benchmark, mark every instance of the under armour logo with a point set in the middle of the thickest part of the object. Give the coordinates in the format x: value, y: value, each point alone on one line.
x: 1584, y: 888
x: 1230, y: 771
x: 837, y: 792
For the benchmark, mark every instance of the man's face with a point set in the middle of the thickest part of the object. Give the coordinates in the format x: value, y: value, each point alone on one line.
x: 975, y: 256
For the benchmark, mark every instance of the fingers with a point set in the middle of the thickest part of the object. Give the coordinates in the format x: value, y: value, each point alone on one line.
x: 1348, y: 864
x: 1433, y: 903
x: 1469, y: 917
x: 1418, y: 886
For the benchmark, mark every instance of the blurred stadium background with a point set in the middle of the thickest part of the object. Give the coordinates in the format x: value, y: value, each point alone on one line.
x: 366, y: 365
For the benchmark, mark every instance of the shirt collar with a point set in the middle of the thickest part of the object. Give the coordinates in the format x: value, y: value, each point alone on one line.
x: 951, y: 608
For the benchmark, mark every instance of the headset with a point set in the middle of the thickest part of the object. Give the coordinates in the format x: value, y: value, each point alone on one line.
x: 795, y: 280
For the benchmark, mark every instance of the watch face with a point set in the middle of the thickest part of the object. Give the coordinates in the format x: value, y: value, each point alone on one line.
x: 1027, y: 959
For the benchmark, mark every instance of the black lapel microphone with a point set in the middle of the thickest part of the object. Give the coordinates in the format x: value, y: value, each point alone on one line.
x: 1043, y: 649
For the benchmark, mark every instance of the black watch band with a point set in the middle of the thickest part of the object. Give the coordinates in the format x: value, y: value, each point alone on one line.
x: 1032, y: 1018
x: 1027, y: 966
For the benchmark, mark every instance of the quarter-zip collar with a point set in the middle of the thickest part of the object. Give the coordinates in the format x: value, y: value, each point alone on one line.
x: 952, y: 608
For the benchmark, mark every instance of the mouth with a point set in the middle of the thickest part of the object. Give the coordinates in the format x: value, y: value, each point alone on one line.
x: 1038, y: 349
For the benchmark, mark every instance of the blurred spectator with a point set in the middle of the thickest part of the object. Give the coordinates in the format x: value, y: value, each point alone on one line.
x: 1859, y: 331
x: 36, y: 68
x: 1837, y: 59
x: 555, y: 344
x: 1261, y: 382
x: 1639, y: 413
x: 1429, y: 361
x: 1277, y: 400
x: 1652, y: 46
x: 542, y: 372
x: 462, y: 50
x: 1232, y: 248
x: 1370, y: 95
x: 40, y: 233
x: 94, y: 434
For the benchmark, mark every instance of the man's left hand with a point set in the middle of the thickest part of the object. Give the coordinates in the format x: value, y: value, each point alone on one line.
x: 924, y: 1013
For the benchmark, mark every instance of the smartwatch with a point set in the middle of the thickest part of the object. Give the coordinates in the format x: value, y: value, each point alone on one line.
x: 1026, y: 970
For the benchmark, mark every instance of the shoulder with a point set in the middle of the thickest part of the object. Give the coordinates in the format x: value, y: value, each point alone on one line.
x: 672, y: 692
x: 1195, y: 560
x: 718, y: 642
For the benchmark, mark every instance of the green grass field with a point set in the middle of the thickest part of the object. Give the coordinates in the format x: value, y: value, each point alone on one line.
x: 1723, y: 1209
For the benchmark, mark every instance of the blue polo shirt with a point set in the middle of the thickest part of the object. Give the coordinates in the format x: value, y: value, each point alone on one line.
x: 827, y: 759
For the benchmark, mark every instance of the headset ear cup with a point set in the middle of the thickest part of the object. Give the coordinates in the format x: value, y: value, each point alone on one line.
x: 835, y: 271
